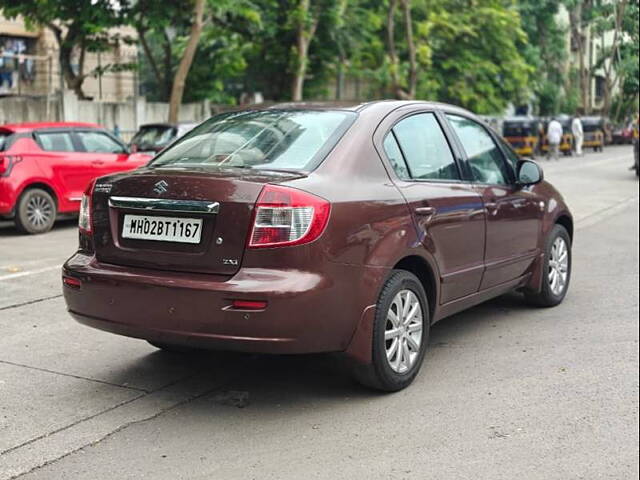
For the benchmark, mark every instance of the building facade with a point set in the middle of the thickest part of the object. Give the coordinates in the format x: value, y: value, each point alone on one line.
x: 29, y: 65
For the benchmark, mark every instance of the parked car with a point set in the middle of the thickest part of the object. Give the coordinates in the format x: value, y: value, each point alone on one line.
x: 623, y: 134
x: 305, y: 228
x: 153, y: 137
x: 45, y: 167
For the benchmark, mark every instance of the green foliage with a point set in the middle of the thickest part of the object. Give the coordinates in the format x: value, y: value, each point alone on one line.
x: 480, y: 54
x: 475, y: 54
x: 546, y: 53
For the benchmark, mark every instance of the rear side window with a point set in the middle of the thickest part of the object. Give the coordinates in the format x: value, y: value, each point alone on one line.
x: 425, y: 148
x: 270, y: 139
x: 394, y: 154
x: 484, y: 156
x: 55, y: 141
x: 5, y: 140
x: 99, y: 142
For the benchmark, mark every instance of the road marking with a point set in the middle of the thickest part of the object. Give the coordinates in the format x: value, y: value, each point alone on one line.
x: 604, y: 213
x: 35, y: 263
x: 12, y: 276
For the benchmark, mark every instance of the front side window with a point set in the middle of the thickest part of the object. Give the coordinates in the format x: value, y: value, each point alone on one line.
x: 98, y: 142
x: 269, y: 139
x: 425, y: 148
x: 484, y: 157
x: 55, y: 141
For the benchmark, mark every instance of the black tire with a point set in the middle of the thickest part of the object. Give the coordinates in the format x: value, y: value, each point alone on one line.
x: 167, y: 347
x: 379, y: 374
x: 546, y: 297
x: 36, y: 211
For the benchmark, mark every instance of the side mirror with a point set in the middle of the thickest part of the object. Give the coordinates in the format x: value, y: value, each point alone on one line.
x: 529, y: 172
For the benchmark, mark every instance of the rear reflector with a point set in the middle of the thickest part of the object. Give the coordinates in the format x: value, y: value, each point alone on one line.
x: 248, y: 305
x: 287, y: 216
x: 71, y: 282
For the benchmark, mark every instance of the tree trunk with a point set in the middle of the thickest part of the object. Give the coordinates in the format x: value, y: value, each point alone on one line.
x: 610, y: 80
x: 149, y: 54
x: 180, y: 78
x: 391, y: 47
x: 65, y: 56
x: 304, y: 35
x: 342, y: 60
x: 413, y: 68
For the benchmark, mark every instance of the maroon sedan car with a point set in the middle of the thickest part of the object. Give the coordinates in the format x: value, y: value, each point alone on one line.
x: 315, y: 228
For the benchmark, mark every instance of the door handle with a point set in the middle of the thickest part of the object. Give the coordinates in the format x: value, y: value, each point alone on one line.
x: 97, y: 162
x: 425, y: 211
x: 491, y: 207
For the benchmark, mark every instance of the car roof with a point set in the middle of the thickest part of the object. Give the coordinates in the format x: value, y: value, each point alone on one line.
x: 167, y: 124
x: 30, y: 126
x: 356, y: 106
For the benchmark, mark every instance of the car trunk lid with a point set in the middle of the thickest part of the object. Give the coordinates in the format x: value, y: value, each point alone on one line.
x: 220, y: 200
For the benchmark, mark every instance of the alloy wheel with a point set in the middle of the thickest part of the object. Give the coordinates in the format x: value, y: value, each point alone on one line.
x: 558, y: 266
x: 403, y: 331
x: 39, y: 211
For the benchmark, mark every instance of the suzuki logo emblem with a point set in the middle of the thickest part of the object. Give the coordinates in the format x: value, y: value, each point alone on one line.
x: 160, y: 187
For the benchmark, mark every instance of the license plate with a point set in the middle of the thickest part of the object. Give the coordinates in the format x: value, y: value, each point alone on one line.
x: 163, y: 229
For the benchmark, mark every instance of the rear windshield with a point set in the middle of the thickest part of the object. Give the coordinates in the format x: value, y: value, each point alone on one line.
x: 5, y: 138
x: 153, y: 136
x: 262, y: 140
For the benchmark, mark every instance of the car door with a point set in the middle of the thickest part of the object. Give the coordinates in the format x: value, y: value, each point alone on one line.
x: 513, y: 213
x: 448, y: 212
x: 61, y: 158
x: 107, y: 154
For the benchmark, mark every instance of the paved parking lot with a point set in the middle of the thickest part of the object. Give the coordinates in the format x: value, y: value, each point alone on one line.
x: 506, y: 392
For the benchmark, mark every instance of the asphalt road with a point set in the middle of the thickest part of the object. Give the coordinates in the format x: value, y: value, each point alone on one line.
x: 507, y: 391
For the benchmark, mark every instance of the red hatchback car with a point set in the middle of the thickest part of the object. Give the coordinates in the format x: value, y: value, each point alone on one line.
x: 45, y: 167
x: 303, y: 228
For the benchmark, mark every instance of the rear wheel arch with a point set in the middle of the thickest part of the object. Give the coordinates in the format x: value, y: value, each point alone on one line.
x: 422, y: 269
x: 43, y: 186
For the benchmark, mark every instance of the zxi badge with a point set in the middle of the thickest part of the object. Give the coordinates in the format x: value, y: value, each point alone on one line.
x: 160, y: 187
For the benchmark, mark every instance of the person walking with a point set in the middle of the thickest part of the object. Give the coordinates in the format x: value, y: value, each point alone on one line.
x: 554, y: 137
x: 578, y: 134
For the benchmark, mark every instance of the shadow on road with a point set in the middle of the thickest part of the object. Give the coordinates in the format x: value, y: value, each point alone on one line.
x: 8, y: 229
x: 284, y: 380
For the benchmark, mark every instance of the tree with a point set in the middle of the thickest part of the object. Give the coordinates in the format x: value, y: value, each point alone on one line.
x: 396, y: 85
x: 179, y: 80
x: 78, y: 27
x: 474, y: 54
x: 170, y: 38
x: 305, y: 18
x: 546, y: 52
x: 611, y: 20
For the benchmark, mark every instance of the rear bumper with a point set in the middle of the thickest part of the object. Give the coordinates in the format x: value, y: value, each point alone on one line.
x: 307, y: 312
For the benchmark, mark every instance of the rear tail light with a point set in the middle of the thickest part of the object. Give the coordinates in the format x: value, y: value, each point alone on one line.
x: 86, y: 205
x: 287, y: 216
x: 7, y: 162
